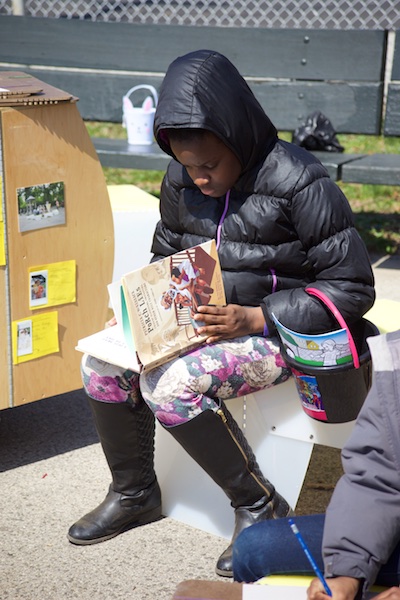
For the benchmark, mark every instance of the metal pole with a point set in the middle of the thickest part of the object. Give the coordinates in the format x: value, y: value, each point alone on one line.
x: 18, y: 7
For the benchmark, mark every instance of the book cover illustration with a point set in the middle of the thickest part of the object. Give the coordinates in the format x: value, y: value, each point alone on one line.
x: 317, y: 350
x: 160, y: 300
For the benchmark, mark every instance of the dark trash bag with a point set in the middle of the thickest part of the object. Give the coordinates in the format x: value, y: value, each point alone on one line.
x: 317, y: 134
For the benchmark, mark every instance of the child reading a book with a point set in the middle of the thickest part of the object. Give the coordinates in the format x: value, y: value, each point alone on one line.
x: 280, y: 224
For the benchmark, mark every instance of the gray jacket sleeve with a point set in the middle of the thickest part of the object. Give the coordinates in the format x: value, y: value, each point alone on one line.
x: 362, y: 524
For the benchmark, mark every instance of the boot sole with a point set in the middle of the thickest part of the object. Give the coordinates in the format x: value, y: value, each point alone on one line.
x: 149, y: 517
x: 224, y: 573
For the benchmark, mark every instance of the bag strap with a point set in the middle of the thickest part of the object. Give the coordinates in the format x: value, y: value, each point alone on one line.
x: 335, y: 311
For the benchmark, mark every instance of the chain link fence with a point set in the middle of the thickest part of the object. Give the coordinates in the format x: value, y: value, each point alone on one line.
x: 335, y: 14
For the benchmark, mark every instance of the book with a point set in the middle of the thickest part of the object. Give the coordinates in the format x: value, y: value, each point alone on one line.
x: 274, y: 587
x: 154, y: 308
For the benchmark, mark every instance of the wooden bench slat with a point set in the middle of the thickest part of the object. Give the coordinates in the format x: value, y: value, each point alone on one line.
x: 333, y: 162
x: 280, y: 53
x: 352, y: 107
x: 376, y: 169
x: 120, y: 155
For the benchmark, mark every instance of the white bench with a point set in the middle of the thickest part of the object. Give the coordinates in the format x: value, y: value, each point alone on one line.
x: 280, y: 433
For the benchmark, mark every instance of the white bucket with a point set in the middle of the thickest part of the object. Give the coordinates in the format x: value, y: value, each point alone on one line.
x: 139, y: 120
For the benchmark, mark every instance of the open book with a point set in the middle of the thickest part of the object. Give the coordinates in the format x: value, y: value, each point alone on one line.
x: 154, y: 308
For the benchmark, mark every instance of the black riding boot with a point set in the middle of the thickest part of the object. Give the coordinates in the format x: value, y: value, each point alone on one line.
x: 134, y: 497
x: 218, y: 445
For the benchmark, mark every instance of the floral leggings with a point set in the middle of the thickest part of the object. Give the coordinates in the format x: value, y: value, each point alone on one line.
x: 184, y: 387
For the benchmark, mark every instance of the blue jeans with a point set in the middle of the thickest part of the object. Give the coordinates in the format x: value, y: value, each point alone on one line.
x: 270, y: 548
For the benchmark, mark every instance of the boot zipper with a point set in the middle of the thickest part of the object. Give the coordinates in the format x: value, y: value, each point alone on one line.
x: 222, y: 416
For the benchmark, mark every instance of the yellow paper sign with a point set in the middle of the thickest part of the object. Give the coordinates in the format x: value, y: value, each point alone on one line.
x: 52, y: 284
x: 34, y: 337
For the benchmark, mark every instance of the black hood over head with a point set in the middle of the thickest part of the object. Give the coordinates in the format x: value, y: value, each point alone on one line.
x: 204, y: 90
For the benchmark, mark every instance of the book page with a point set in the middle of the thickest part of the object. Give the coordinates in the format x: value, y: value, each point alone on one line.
x: 162, y: 298
x: 287, y: 587
x: 280, y: 592
x: 273, y: 592
x: 109, y: 345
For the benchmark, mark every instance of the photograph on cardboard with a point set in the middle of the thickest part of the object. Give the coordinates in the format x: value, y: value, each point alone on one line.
x: 24, y: 337
x: 38, y: 288
x: 41, y: 206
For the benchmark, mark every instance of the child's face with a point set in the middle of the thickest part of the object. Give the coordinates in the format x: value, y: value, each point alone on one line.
x: 213, y: 167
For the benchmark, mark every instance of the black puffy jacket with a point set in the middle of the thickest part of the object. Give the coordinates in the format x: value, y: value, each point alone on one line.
x: 286, y: 218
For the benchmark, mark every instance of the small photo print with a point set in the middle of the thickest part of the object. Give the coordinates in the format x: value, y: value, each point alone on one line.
x: 38, y: 288
x: 41, y: 206
x: 24, y: 338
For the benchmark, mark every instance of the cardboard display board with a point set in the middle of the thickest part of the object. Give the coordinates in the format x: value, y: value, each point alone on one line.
x: 48, y: 145
x: 22, y: 89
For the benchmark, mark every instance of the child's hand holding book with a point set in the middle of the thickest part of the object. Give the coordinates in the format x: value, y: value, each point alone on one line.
x: 224, y: 322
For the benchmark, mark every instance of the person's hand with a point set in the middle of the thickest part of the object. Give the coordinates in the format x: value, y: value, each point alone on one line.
x: 342, y: 588
x: 345, y: 588
x: 230, y: 321
x: 111, y: 322
x: 392, y: 593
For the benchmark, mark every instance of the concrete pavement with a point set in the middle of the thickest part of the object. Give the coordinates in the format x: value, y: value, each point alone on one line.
x: 53, y: 470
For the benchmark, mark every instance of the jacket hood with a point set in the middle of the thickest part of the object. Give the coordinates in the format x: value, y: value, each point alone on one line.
x: 204, y: 90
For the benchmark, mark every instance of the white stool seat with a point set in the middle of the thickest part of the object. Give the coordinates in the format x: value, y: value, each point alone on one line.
x: 282, y: 437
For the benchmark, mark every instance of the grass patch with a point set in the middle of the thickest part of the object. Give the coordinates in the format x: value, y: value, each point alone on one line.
x: 376, y: 207
x: 149, y: 181
x: 377, y: 215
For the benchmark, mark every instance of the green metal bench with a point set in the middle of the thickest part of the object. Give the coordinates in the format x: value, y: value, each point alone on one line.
x: 292, y: 72
x: 382, y: 168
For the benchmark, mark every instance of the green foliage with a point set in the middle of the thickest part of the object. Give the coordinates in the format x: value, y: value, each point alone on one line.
x: 149, y: 181
x: 104, y: 130
x: 377, y: 215
x: 376, y: 207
